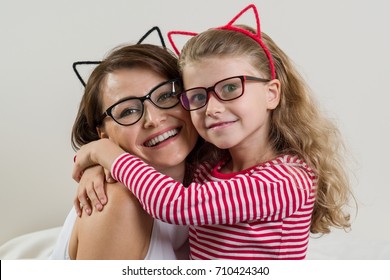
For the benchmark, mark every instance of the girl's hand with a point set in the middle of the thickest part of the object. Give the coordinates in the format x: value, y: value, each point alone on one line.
x: 101, y: 152
x: 91, y: 190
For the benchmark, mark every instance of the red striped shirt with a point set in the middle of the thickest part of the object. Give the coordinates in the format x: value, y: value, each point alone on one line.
x: 263, y: 212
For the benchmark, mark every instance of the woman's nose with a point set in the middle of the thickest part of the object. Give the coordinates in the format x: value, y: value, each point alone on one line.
x: 153, y: 116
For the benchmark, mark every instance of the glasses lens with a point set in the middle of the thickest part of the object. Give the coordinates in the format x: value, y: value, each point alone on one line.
x: 229, y: 89
x: 194, y: 98
x: 127, y: 112
x: 166, y: 95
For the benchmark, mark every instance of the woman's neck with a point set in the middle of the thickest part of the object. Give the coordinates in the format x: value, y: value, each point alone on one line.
x: 176, y: 172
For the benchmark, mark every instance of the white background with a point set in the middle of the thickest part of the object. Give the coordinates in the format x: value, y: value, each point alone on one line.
x: 341, y: 47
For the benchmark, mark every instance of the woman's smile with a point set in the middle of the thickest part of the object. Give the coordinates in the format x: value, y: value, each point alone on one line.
x: 161, y: 138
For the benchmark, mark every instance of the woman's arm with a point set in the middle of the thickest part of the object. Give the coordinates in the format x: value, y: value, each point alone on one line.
x: 121, y: 231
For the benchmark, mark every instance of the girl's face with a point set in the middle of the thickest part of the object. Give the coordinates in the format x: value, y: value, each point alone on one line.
x: 162, y: 137
x: 238, y: 123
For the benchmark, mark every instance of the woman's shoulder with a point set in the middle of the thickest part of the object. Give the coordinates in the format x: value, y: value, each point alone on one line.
x: 123, y: 205
x: 122, y: 219
x: 119, y: 196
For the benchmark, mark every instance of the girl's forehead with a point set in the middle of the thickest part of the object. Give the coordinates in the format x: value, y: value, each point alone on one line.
x: 220, y: 61
x: 208, y: 70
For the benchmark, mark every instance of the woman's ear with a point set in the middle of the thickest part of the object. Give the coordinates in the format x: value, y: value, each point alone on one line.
x: 101, y: 132
x: 273, y: 94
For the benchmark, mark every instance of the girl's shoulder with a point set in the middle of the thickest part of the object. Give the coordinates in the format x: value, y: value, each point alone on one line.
x: 285, y: 159
x: 281, y: 166
x: 286, y: 164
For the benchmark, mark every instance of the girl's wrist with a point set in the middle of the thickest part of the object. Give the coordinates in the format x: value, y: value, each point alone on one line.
x: 110, y: 150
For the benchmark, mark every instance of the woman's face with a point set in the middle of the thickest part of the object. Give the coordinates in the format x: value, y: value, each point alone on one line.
x: 162, y: 137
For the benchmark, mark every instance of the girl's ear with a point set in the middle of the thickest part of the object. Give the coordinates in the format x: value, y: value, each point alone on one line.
x: 101, y: 132
x: 273, y: 94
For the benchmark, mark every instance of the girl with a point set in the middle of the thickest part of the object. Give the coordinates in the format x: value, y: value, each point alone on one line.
x: 277, y: 175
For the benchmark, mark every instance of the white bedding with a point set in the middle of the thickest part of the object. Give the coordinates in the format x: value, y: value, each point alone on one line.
x: 39, y: 245
x: 348, y: 247
x: 35, y: 245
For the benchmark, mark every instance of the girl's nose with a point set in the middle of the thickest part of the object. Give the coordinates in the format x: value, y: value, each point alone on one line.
x: 214, y: 106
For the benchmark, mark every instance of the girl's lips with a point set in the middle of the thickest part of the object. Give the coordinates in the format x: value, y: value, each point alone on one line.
x: 220, y: 125
x: 156, y: 140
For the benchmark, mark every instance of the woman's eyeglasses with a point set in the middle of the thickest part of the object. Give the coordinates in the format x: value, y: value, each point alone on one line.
x: 130, y: 110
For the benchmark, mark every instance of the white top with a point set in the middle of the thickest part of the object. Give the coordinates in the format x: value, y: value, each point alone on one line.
x: 168, y: 242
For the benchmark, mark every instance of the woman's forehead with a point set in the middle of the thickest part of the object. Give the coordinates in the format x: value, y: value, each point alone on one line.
x: 136, y: 82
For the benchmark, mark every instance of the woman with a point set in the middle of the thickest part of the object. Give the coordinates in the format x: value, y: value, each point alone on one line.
x: 131, y: 99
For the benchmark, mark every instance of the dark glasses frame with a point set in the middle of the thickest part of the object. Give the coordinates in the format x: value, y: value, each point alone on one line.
x: 243, y: 78
x: 108, y: 111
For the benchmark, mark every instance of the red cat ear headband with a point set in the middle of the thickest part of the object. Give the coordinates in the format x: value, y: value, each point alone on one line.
x: 229, y: 26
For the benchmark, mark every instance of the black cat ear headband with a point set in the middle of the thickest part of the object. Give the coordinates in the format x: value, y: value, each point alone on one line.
x: 78, y: 63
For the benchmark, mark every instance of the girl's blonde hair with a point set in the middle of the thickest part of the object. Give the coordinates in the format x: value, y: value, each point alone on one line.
x: 296, y: 125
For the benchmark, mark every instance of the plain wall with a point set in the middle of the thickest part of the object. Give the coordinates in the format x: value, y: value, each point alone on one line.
x: 341, y: 48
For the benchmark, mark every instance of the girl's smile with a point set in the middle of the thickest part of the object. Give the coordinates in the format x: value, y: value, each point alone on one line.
x: 220, y: 125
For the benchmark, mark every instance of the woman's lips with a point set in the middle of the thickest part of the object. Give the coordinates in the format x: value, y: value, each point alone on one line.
x: 162, y: 137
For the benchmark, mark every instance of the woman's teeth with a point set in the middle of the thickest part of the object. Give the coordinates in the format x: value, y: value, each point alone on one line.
x: 158, y: 139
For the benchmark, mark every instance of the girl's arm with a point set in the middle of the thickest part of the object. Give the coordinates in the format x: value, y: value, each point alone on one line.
x: 90, y: 174
x: 91, y: 192
x: 270, y: 193
x: 101, y: 152
x: 92, y: 177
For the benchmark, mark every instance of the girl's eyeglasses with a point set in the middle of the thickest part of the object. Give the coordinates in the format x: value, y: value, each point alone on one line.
x: 226, y: 89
